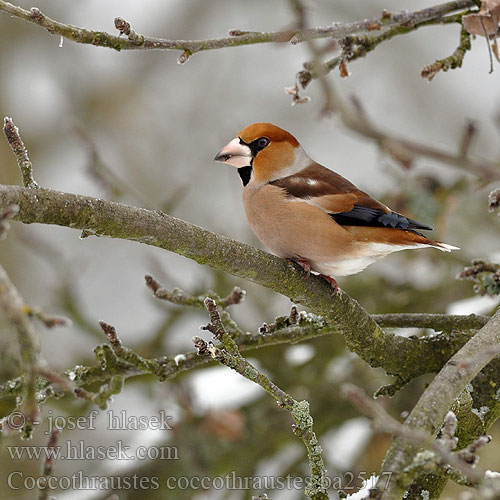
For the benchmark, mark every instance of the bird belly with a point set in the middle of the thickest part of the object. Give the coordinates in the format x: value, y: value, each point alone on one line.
x: 343, y: 267
x: 294, y: 232
x: 359, y: 259
x: 299, y: 231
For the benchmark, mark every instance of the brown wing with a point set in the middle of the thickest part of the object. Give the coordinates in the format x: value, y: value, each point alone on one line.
x: 346, y: 204
x: 326, y: 189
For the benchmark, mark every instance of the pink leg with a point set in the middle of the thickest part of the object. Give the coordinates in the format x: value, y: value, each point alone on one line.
x: 332, y: 281
x: 304, y: 264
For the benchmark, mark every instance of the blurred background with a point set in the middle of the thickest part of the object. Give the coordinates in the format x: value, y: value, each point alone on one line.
x: 136, y: 127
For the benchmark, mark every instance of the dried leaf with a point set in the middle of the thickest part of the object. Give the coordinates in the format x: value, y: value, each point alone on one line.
x: 485, y: 22
x: 430, y: 71
x: 344, y: 72
x: 225, y: 424
x: 494, y: 201
x: 374, y: 26
x: 494, y: 48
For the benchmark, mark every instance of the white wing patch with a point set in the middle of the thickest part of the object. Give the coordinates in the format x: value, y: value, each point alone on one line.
x: 311, y: 182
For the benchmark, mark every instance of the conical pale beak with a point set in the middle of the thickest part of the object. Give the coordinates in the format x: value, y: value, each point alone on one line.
x: 235, y: 153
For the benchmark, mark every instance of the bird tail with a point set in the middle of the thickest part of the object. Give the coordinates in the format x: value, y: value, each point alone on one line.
x: 444, y: 247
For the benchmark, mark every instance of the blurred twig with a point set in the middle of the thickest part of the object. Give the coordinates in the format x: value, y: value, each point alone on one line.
x: 14, y: 308
x: 486, y: 277
x: 102, y: 173
x: 355, y: 118
x: 48, y: 465
x: 7, y: 214
x: 441, y: 448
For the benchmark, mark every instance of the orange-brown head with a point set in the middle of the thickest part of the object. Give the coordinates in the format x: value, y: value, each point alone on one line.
x: 262, y: 152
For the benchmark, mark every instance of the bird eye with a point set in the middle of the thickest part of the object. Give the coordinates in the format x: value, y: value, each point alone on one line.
x: 262, y: 142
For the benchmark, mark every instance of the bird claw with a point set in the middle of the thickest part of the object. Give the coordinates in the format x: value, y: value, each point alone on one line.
x: 333, y: 284
x: 304, y: 264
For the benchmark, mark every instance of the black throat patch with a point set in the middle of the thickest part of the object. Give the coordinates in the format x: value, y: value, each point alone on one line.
x: 245, y: 174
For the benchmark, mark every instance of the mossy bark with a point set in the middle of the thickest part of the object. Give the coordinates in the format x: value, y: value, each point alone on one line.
x: 404, y: 357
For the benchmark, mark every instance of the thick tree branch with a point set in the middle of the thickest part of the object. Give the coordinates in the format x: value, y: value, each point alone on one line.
x: 188, y: 47
x: 397, y: 355
x: 428, y: 414
x: 437, y: 322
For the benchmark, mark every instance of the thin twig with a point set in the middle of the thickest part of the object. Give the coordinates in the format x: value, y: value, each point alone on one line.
x: 487, y: 38
x: 48, y: 466
x: 437, y: 322
x: 180, y: 297
x: 450, y: 62
x: 9, y: 213
x: 357, y: 47
x: 126, y: 354
x: 230, y: 356
x: 113, y: 339
x: 63, y: 382
x: 14, y: 308
x: 15, y: 142
x: 113, y: 184
x: 49, y: 320
x: 239, y: 38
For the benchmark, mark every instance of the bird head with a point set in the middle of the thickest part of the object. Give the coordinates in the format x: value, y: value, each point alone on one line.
x: 263, y: 152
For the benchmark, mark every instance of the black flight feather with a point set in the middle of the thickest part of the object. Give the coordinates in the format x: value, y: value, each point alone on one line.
x: 365, y: 216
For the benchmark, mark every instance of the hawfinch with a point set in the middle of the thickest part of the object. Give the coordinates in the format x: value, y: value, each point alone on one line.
x: 304, y: 212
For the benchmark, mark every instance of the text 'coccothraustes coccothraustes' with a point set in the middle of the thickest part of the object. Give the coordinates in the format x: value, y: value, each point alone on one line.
x: 304, y: 212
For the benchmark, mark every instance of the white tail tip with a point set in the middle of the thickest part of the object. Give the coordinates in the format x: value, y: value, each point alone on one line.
x: 444, y: 247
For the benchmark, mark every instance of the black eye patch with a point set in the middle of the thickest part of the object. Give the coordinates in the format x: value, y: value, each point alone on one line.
x: 257, y: 145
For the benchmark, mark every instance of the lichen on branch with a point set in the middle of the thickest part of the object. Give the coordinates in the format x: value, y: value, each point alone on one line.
x: 401, y: 356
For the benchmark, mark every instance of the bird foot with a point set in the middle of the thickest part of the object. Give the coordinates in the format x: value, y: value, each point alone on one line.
x: 333, y: 283
x: 304, y: 264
